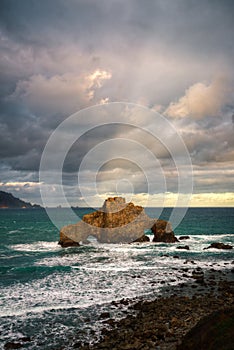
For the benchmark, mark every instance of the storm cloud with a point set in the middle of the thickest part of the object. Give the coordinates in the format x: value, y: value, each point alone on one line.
x: 175, y: 57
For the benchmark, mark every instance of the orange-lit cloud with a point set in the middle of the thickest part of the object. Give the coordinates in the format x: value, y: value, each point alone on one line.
x: 201, y: 100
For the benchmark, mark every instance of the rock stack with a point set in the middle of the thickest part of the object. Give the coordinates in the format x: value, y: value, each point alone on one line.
x: 116, y: 222
x: 163, y: 232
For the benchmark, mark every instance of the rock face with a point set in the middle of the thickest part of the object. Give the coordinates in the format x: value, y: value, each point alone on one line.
x: 115, y: 212
x: 219, y: 246
x: 65, y: 242
x: 163, y: 232
x: 213, y: 332
x: 116, y: 222
x: 7, y: 200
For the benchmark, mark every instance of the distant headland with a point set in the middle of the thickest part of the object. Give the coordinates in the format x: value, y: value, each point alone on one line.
x: 8, y: 201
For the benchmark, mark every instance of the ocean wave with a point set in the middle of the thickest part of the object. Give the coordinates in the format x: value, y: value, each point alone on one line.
x: 13, y: 231
x: 212, y: 236
x: 39, y: 246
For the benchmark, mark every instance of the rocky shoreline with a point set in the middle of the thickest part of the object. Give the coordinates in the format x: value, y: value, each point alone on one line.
x: 163, y: 323
x: 175, y: 320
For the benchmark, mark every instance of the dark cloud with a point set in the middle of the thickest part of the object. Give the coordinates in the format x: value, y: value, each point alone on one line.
x: 92, y: 23
x: 60, y: 56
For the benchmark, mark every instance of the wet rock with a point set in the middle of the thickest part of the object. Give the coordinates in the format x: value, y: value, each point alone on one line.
x: 198, y: 275
x: 163, y: 232
x: 185, y: 275
x: 142, y: 239
x: 25, y: 339
x: 104, y: 315
x: 12, y: 345
x: 189, y: 261
x: 115, y: 303
x: 124, y: 301
x: 175, y: 322
x: 219, y: 245
x: 183, y: 247
x: 184, y: 237
x: 212, y: 283
x: 17, y: 344
x: 77, y: 345
x: 65, y: 242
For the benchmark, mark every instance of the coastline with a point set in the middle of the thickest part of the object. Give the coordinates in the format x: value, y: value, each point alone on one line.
x: 162, y: 323
x: 95, y: 287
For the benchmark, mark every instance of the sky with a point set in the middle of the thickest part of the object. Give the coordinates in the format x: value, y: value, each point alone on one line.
x: 174, y: 57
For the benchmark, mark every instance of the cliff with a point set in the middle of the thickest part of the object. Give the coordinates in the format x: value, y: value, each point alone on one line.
x: 8, y: 201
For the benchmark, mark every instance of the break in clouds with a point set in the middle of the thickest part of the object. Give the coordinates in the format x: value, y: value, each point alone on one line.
x: 174, y: 57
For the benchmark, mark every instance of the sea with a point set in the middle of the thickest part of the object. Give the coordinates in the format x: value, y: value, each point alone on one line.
x: 56, y: 297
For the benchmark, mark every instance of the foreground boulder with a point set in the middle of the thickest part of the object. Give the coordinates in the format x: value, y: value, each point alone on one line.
x: 218, y: 245
x: 163, y: 232
x: 213, y: 332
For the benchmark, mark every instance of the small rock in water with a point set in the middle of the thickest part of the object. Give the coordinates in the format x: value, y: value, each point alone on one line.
x: 25, y: 339
x: 104, y: 315
x: 163, y: 232
x: 185, y: 275
x: 219, y: 245
x: 142, y: 239
x: 189, y: 261
x: 16, y: 344
x: 183, y: 247
x: 77, y: 345
x: 12, y: 345
x: 183, y: 237
x: 198, y: 275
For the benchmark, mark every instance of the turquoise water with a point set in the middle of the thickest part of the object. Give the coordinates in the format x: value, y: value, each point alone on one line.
x: 55, y: 295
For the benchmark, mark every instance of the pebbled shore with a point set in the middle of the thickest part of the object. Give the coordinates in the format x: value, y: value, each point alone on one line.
x: 163, y: 323
x: 176, y: 320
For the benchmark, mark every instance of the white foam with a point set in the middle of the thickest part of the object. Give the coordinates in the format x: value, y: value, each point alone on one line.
x: 41, y: 309
x: 100, y: 274
x: 88, y: 284
x: 211, y: 237
x: 38, y: 246
x: 13, y: 231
